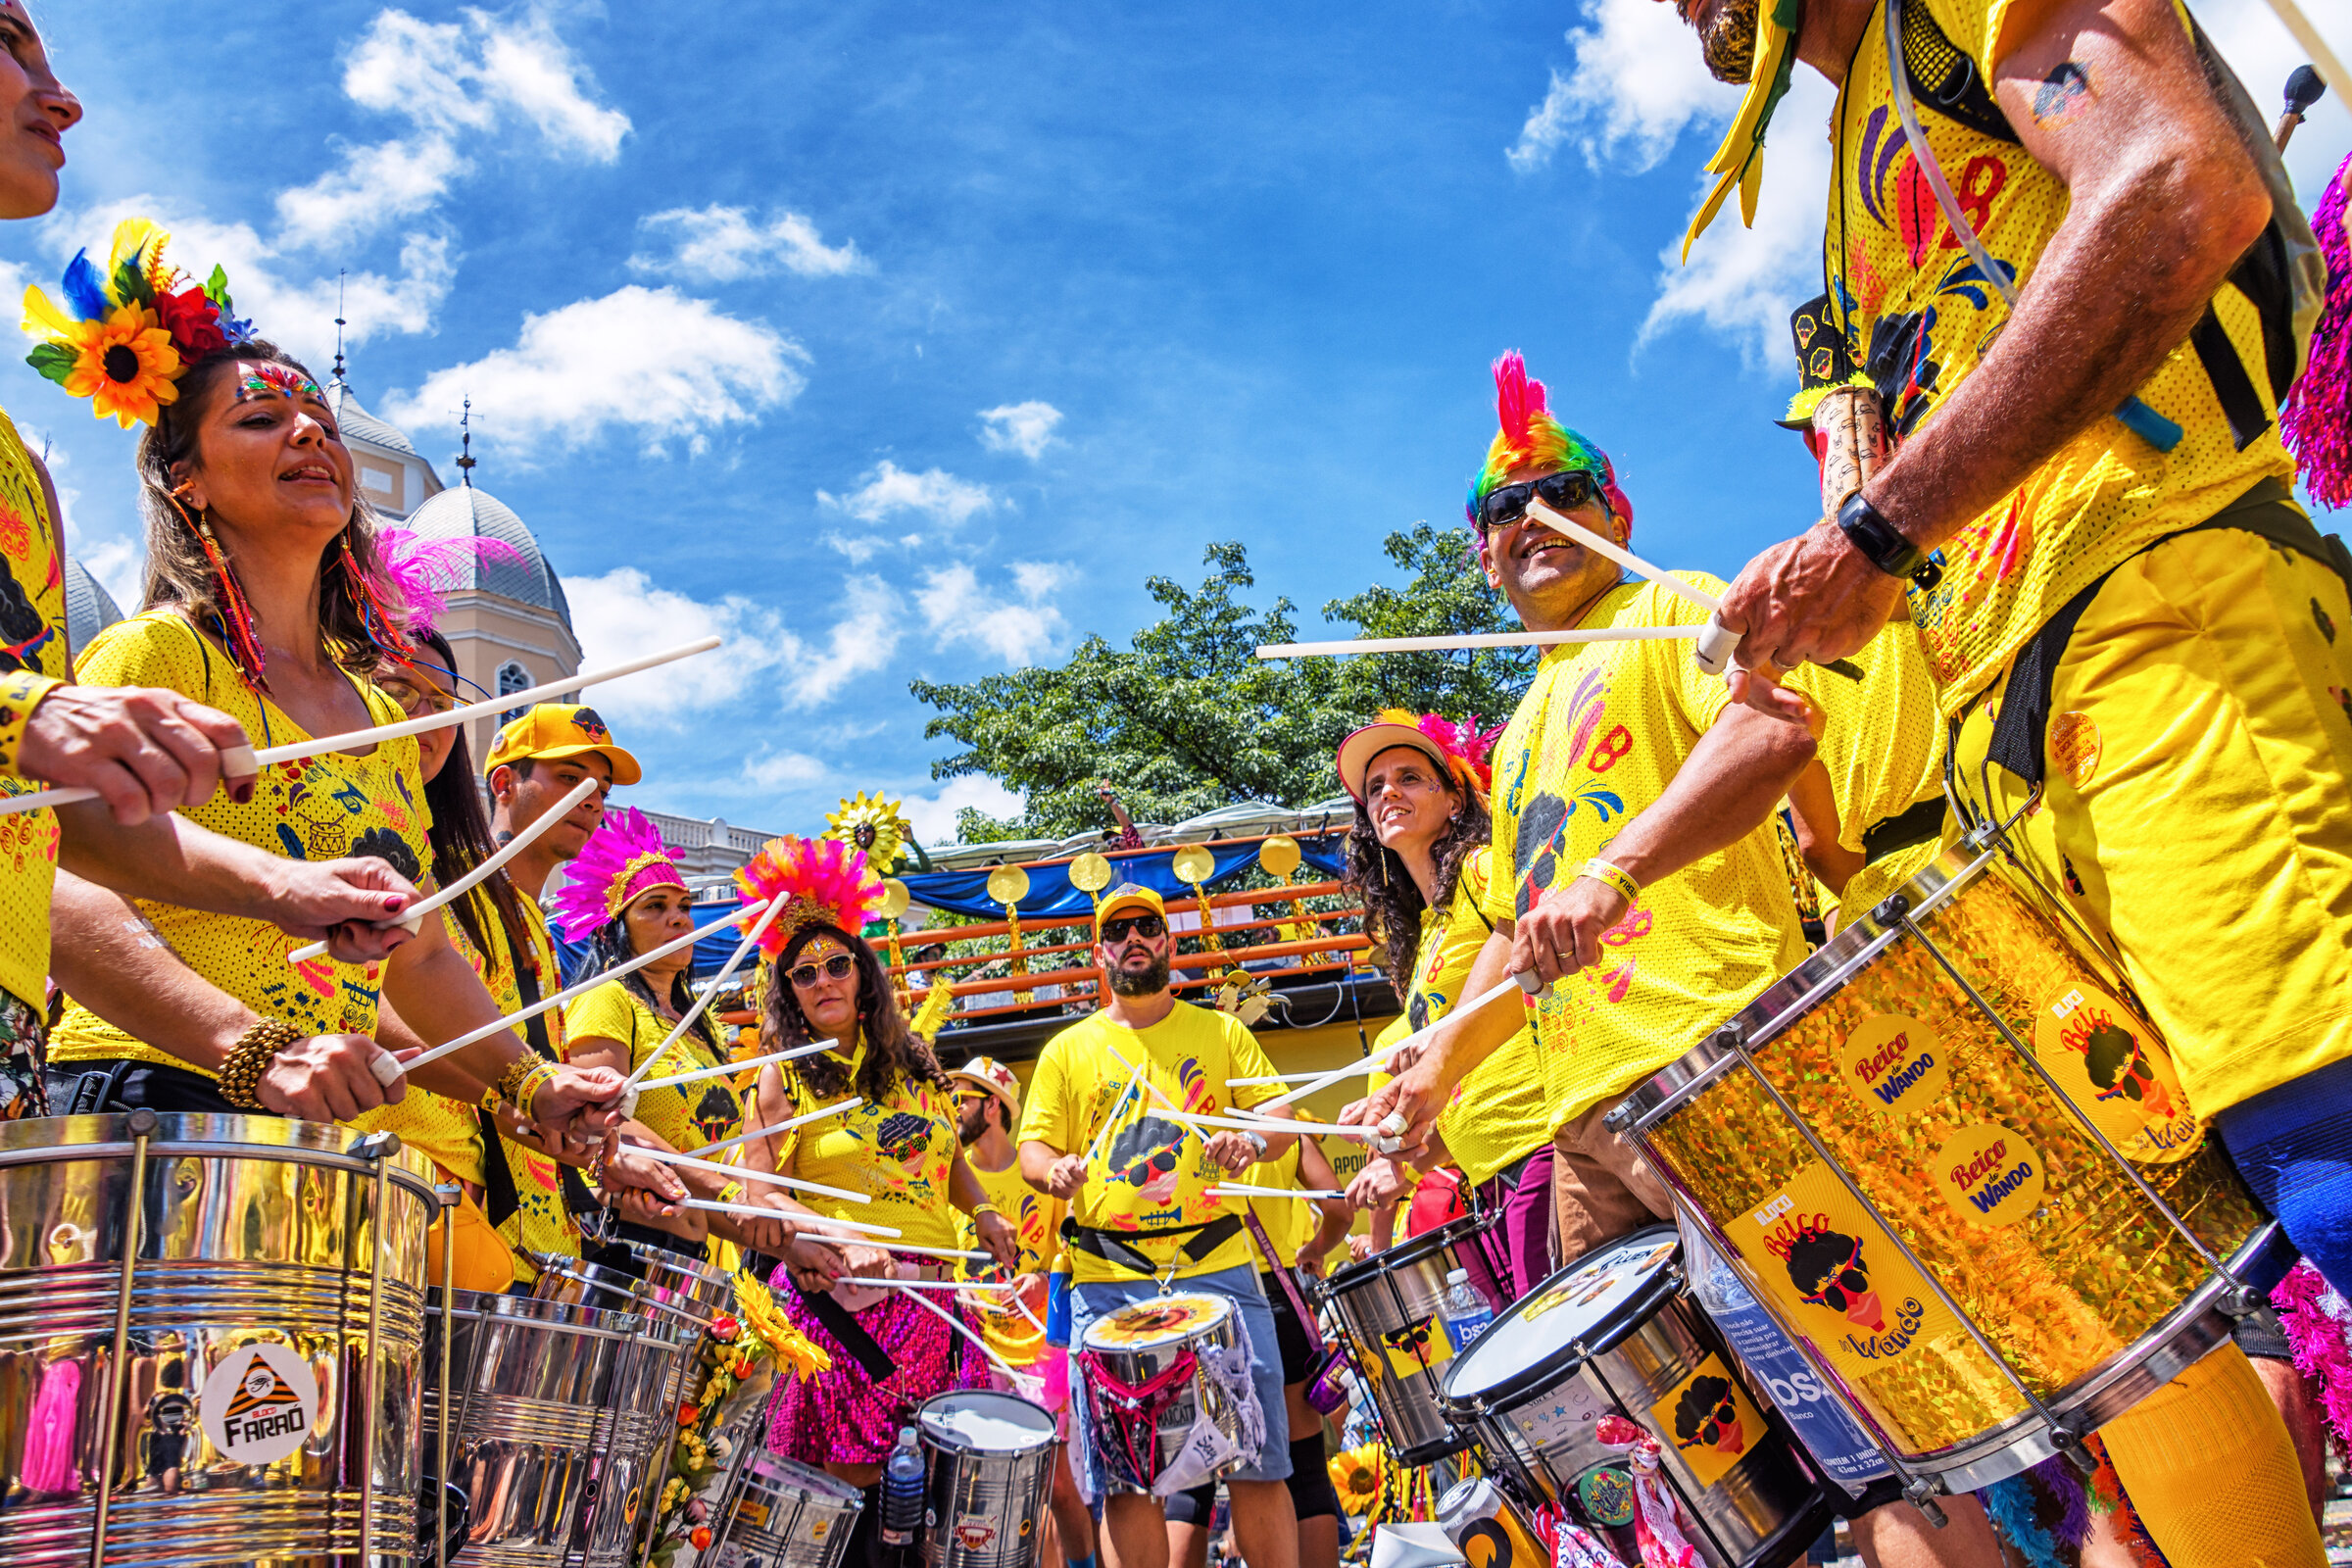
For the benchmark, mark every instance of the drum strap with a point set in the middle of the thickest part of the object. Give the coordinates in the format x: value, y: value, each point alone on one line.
x: 2019, y: 733
x: 1115, y: 1246
x: 501, y: 1198
x: 852, y: 1337
x: 1289, y: 1283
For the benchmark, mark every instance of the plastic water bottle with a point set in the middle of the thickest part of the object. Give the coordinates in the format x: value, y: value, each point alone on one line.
x: 902, y: 1491
x: 1466, y: 1312
x: 1057, y: 1303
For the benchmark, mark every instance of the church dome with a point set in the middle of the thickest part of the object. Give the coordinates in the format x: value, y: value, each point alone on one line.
x: 89, y: 608
x: 355, y: 420
x: 464, y: 512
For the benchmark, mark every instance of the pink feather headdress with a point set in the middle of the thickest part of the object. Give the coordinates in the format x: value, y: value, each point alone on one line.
x: 624, y: 857
x: 822, y: 881
x: 423, y: 570
x: 1468, y: 749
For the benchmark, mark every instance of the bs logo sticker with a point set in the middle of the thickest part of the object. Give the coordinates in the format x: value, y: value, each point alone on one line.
x: 259, y: 1404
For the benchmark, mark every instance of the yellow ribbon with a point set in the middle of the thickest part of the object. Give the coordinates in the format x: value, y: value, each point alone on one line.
x: 1739, y: 161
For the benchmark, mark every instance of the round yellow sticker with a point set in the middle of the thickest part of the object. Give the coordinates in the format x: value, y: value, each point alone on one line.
x: 2113, y: 1066
x: 1989, y: 1175
x: 1895, y: 1065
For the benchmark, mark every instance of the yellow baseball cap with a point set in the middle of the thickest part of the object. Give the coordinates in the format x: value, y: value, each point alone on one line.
x: 550, y: 731
x: 1129, y: 895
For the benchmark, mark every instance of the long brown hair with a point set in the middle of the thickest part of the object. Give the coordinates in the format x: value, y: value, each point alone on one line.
x: 892, y: 1050
x: 1393, y: 901
x: 180, y: 578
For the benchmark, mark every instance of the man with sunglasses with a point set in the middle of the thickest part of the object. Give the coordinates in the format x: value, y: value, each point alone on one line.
x: 1143, y: 1211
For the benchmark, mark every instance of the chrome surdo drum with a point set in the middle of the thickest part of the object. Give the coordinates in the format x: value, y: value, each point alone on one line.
x: 1955, y: 1160
x: 1156, y: 1390
x: 780, y: 1513
x: 211, y: 1335
x: 1388, y: 1307
x: 991, y: 1462
x: 1613, y: 1334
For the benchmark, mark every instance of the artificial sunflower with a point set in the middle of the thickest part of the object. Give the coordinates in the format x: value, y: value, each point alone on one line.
x: 874, y: 825
x: 126, y: 332
x: 792, y: 1348
x: 1356, y: 1474
x: 124, y: 365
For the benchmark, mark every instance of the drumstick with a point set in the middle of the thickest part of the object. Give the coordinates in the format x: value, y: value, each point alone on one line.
x: 559, y: 999
x: 800, y: 1222
x: 923, y: 1284
x: 945, y: 1251
x: 762, y: 1132
x: 241, y: 762
x: 744, y: 1173
x: 413, y: 918
x: 726, y: 1068
x: 949, y: 1318
x: 1527, y: 983
x: 1482, y: 639
x: 750, y: 940
x: 1118, y: 1108
x: 1273, y: 1124
x: 1310, y: 1193
x: 1278, y: 1078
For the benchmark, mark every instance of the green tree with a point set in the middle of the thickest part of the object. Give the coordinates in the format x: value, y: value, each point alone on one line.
x: 1188, y: 718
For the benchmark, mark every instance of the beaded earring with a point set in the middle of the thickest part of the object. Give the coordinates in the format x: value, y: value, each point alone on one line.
x: 232, y: 613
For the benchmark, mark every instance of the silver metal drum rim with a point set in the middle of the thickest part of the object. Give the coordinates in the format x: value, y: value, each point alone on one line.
x: 623, y: 1327
x: 2197, y: 1326
x: 402, y: 1176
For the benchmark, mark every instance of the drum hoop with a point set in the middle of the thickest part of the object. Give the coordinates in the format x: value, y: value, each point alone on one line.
x: 509, y: 1309
x: 403, y: 1175
x: 1530, y: 1381
x: 770, y: 1468
x: 1789, y: 999
x: 1412, y: 1249
x: 953, y: 1442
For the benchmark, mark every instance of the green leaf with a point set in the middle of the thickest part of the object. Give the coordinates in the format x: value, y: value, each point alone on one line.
x: 53, y: 361
x: 215, y: 289
x: 130, y: 284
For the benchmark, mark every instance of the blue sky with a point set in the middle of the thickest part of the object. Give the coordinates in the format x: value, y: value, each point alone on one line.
x: 898, y: 342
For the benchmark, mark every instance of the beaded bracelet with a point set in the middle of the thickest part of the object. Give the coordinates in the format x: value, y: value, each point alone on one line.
x: 1601, y: 870
x: 256, y: 1048
x: 509, y: 1084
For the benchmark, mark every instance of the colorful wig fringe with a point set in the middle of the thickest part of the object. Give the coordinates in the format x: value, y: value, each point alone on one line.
x: 1530, y: 437
x: 822, y: 881
x: 2316, y: 420
x: 623, y: 857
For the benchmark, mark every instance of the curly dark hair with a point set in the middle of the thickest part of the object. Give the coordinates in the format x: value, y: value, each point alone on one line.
x: 1393, y: 901
x: 1697, y: 1406
x: 610, y: 948
x: 894, y: 1053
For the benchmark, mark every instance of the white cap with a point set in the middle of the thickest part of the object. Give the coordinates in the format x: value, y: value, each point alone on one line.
x: 1460, y: 1274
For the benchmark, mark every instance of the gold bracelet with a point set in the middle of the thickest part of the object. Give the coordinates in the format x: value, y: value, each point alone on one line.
x: 509, y: 1084
x: 241, y: 1070
x: 1601, y: 870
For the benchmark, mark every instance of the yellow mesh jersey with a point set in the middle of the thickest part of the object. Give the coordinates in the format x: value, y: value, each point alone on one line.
x: 319, y: 808
x: 1499, y: 1112
x: 1035, y: 1218
x: 1598, y: 735
x: 1882, y: 739
x: 900, y: 1153
x: 540, y: 1222
x: 1919, y: 316
x: 1149, y: 1172
x: 33, y: 649
x: 686, y: 1117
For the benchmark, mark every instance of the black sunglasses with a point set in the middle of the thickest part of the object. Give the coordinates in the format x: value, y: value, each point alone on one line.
x: 1150, y: 925
x: 1158, y: 1164
x: 836, y: 967
x: 1505, y: 504
x: 1725, y: 1414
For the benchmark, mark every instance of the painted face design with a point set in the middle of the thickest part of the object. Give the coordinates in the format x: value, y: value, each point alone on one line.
x: 1827, y: 1267
x: 273, y: 380
x: 1706, y: 1414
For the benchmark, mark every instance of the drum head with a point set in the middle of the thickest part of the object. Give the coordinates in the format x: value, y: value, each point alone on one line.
x: 776, y: 1474
x: 1412, y: 1249
x: 1593, y: 1302
x: 1164, y: 1320
x: 982, y: 1421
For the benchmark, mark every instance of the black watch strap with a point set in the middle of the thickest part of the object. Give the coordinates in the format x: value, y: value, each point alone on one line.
x: 1883, y: 544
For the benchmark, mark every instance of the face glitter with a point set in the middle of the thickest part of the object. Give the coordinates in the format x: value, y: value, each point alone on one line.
x: 268, y: 379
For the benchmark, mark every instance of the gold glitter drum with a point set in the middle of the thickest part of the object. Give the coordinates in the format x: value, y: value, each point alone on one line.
x: 1955, y: 1160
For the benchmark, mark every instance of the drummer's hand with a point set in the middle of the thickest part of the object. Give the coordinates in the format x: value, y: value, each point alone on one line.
x: 1359, y: 1248
x: 1066, y: 1176
x: 1233, y: 1150
x: 144, y: 750
x: 578, y: 1104
x: 1562, y: 934
x: 326, y: 1078
x: 1380, y: 1183
x: 1807, y: 600
x: 339, y: 901
x: 869, y: 1262
x: 814, y: 1265
x: 1031, y: 1289
x: 999, y: 1240
x: 625, y: 1168
x: 1403, y: 1056
x: 1416, y: 1095
x: 771, y: 1234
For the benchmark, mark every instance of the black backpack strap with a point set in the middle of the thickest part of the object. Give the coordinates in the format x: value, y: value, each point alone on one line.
x: 1917, y: 823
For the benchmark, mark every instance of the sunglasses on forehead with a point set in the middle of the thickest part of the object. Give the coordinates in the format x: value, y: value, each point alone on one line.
x: 1506, y: 503
x: 836, y: 967
x: 1148, y: 925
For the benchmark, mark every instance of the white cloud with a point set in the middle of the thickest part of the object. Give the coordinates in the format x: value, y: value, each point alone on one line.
x: 624, y: 615
x: 722, y: 244
x: 450, y: 81
x: 934, y: 493
x: 1638, y: 83
x: 2260, y: 49
x: 651, y: 361
x: 1023, y: 427
x: 120, y: 567
x: 775, y: 770
x: 863, y: 548
x: 1016, y: 629
x: 933, y: 816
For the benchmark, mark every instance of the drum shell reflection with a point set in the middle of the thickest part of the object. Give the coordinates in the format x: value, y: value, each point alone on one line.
x: 784, y: 1514
x: 983, y: 1504
x: 1134, y: 1363
x: 1398, y: 1295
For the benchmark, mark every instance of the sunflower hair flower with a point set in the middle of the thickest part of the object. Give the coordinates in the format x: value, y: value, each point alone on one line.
x: 127, y: 332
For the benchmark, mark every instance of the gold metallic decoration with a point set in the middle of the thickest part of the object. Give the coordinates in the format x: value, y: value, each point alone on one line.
x: 1090, y: 873
x: 1194, y: 864
x: 1009, y: 885
x: 895, y: 899
x: 1280, y: 856
x: 872, y: 823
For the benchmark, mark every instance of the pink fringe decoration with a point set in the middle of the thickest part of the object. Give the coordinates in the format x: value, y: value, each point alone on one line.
x: 2319, y: 1340
x: 823, y: 882
x: 423, y: 570
x: 625, y: 848
x: 2316, y: 422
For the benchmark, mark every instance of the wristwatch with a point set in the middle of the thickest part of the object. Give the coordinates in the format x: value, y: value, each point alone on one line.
x: 1869, y: 531
x: 1257, y: 1142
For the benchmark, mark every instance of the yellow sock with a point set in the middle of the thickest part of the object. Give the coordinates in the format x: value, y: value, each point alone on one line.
x: 2211, y: 1470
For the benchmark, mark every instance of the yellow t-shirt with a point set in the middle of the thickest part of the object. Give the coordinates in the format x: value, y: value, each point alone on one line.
x: 1882, y: 737
x: 1289, y: 1222
x: 540, y: 1222
x: 1501, y: 1111
x: 32, y: 659
x: 1601, y: 732
x: 1149, y: 1172
x: 1035, y: 1218
x: 319, y: 808
x: 1917, y: 313
x: 900, y: 1153
x: 685, y: 1117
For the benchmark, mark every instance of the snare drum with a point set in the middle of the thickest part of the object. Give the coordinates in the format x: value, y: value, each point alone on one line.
x: 992, y: 1463
x: 1388, y: 1307
x: 783, y: 1515
x: 1612, y: 1332
x: 275, y: 1303
x: 1955, y: 1069
x: 1136, y: 1346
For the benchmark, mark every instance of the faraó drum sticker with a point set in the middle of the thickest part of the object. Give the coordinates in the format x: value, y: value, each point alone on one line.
x: 1712, y: 1419
x: 1607, y: 1493
x: 2112, y: 1065
x: 1989, y: 1175
x: 1894, y: 1065
x: 1838, y: 1276
x: 1417, y: 1346
x: 259, y: 1404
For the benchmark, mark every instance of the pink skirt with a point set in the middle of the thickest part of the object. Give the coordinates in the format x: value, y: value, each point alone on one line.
x: 845, y: 1417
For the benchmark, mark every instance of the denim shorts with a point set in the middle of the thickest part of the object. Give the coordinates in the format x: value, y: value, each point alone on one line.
x: 1239, y: 1284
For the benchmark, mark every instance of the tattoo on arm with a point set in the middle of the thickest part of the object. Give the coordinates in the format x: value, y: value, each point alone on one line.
x: 2063, y: 94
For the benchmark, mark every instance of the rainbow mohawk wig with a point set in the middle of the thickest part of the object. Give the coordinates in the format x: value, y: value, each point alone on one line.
x: 822, y: 881
x: 1531, y: 438
x: 623, y: 857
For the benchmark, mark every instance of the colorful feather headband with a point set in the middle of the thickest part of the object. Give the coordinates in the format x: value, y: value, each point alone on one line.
x: 624, y: 859
x: 1531, y: 438
x: 823, y: 881
x: 133, y: 329
x: 423, y: 570
x: 1468, y: 749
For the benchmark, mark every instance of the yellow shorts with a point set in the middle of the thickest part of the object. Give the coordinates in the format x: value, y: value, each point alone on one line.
x: 2197, y: 816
